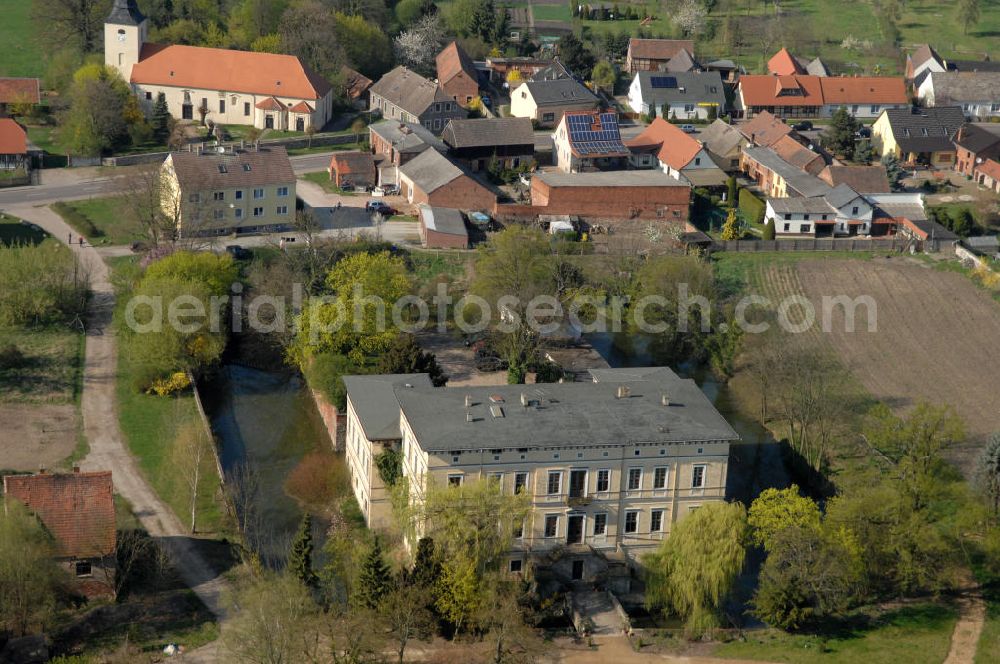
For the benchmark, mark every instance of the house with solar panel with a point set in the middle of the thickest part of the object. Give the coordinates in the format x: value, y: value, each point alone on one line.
x: 589, y: 141
x: 685, y: 95
x: 545, y: 102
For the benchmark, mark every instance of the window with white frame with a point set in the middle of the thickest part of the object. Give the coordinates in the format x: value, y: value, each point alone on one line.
x: 551, y: 525
x: 454, y: 480
x: 698, y: 477
x: 498, y: 478
x: 515, y: 566
x: 239, y: 194
x: 632, y: 521
x: 258, y: 193
x: 282, y: 191
x: 660, y: 477
x: 519, y: 530
x: 603, y: 480
x: 282, y: 209
x: 520, y: 482
x: 239, y: 213
x: 555, y: 483
x: 258, y: 212
x: 634, y: 479
x: 600, y: 524
x: 218, y: 195
x: 656, y: 521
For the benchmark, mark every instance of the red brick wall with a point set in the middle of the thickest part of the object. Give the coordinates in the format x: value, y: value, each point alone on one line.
x: 460, y: 87
x: 436, y: 240
x: 606, y: 203
x: 462, y: 193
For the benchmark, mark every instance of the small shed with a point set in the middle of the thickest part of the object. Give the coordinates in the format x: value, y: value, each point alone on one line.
x: 352, y: 169
x: 984, y: 245
x: 442, y: 228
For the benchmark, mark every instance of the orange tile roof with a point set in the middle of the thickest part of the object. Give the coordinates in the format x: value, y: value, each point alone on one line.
x: 77, y: 508
x: 355, y: 82
x: 17, y: 90
x: 227, y: 70
x: 452, y: 61
x: 991, y: 168
x: 797, y: 154
x: 13, y: 139
x: 762, y: 90
x: 301, y: 107
x: 863, y: 90
x: 764, y: 129
x: 673, y: 147
x: 783, y: 63
x: 270, y: 104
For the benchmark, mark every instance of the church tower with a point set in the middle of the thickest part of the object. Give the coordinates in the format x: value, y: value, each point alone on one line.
x: 124, y: 34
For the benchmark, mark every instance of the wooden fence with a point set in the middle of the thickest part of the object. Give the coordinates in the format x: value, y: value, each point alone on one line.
x: 893, y: 244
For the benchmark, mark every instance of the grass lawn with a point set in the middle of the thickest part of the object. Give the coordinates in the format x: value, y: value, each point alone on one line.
x: 101, y: 220
x: 916, y: 634
x: 53, y: 365
x: 12, y: 231
x: 22, y: 55
x: 989, y: 640
x: 558, y: 12
x: 316, y: 149
x: 322, y: 178
x: 428, y: 265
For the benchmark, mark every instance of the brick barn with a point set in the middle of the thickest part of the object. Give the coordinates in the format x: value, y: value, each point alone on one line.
x: 432, y: 179
x: 442, y: 228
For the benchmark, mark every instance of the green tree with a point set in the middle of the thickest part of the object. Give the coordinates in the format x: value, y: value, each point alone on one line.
x: 29, y: 579
x: 731, y: 228
x: 216, y: 272
x: 375, y: 579
x: 732, y: 191
x: 694, y: 569
x: 839, y: 137
x: 101, y: 111
x: 968, y: 13
x: 893, y: 171
x: 406, y: 356
x: 963, y: 222
x: 776, y: 510
x: 664, y: 111
x: 503, y: 617
x: 426, y: 567
x: 768, y: 233
x: 603, y: 76
x: 405, y: 612
x: 988, y: 472
x: 366, y: 45
x: 161, y: 119
x: 274, y: 620
x: 300, y: 557
x: 574, y: 54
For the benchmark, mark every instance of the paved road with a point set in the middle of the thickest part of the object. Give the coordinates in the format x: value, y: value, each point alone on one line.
x: 100, y: 423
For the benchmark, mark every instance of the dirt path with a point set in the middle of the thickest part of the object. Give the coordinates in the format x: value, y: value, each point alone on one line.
x: 100, y: 421
x: 965, y: 638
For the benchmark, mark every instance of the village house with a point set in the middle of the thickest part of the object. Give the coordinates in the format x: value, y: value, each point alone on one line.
x: 229, y: 189
x: 589, y: 140
x: 777, y: 178
x: 681, y: 96
x: 654, y: 54
x: 924, y: 61
x: 976, y: 92
x: 398, y: 142
x: 554, y: 71
x: 20, y: 92
x: 456, y: 74
x: 918, y: 136
x: 807, y: 96
x: 352, y: 169
x: 987, y: 174
x: 839, y: 212
x: 479, y: 142
x: 430, y: 178
x: 526, y: 67
x: 78, y: 510
x: 974, y: 144
x: 442, y: 228
x: 724, y: 142
x: 654, y: 450
x: 266, y: 90
x: 545, y: 102
x: 667, y: 147
x: 13, y: 148
x: 603, y: 197
x: 356, y: 86
x: 406, y: 96
x: 870, y: 179
x: 799, y: 155
x: 783, y: 63
x: 764, y: 130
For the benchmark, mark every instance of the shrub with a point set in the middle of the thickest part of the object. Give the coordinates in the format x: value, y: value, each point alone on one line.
x: 177, y: 382
x: 751, y: 207
x: 39, y: 284
x: 11, y: 357
x: 315, y: 480
x: 325, y: 374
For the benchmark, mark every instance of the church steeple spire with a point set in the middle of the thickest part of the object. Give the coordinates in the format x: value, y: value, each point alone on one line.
x: 125, y: 12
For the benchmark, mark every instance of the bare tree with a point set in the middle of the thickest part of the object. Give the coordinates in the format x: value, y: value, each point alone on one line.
x: 77, y: 21
x: 190, y: 452
x: 418, y: 47
x: 405, y: 613
x: 147, y: 198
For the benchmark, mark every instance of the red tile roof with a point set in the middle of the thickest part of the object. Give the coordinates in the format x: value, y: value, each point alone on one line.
x: 13, y: 139
x: 783, y: 63
x: 764, y: 129
x: 228, y: 70
x: 355, y: 82
x: 798, y: 155
x: 19, y: 90
x: 452, y: 61
x: 658, y: 49
x: 863, y: 90
x: 301, y: 107
x: 795, y: 90
x: 270, y: 104
x: 991, y: 168
x: 77, y: 508
x: 673, y: 147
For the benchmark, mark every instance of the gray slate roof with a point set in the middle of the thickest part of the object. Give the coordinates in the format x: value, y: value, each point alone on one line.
x: 798, y: 180
x: 125, y: 12
x: 841, y: 195
x: 558, y: 92
x: 609, y: 179
x: 406, y: 136
x: 443, y: 220
x: 554, y: 71
x: 954, y: 87
x: 430, y: 170
x: 409, y: 90
x: 375, y: 401
x: 979, y: 136
x: 692, y: 88
x: 682, y: 62
x: 721, y: 138
x: 818, y: 205
x: 925, y: 129
x: 199, y: 172
x: 488, y: 132
x: 565, y: 414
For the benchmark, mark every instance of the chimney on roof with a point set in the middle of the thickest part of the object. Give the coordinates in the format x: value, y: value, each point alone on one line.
x: 468, y: 400
x: 468, y: 417
x: 41, y: 470
x: 76, y: 469
x: 623, y: 392
x: 524, y: 400
x: 664, y: 400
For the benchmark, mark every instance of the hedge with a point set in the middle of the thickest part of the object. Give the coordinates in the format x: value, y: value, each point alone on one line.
x: 751, y: 207
x: 77, y: 220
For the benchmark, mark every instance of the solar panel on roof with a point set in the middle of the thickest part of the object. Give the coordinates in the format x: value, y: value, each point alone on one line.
x: 663, y: 81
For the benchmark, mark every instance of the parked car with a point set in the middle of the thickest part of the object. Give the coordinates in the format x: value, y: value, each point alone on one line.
x: 688, y: 129
x: 487, y: 102
x: 237, y: 252
x: 381, y: 207
x: 805, y: 125
x: 488, y: 360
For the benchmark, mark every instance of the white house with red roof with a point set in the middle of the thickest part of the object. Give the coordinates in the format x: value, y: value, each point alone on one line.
x: 666, y: 146
x: 266, y: 90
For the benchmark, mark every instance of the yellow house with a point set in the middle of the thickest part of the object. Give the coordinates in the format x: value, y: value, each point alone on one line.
x: 266, y: 90
x: 918, y: 136
x: 228, y: 190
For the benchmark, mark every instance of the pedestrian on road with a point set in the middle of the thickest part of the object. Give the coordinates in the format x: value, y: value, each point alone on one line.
x: 81, y: 240
x: 70, y: 239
